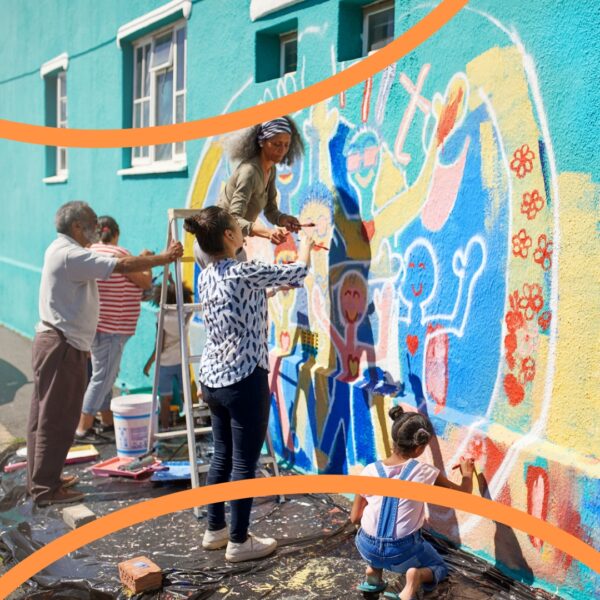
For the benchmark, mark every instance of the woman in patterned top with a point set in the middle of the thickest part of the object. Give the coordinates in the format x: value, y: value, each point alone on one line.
x: 234, y: 367
x: 251, y: 188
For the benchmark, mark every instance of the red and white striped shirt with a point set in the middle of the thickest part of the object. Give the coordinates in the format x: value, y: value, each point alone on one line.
x: 119, y: 297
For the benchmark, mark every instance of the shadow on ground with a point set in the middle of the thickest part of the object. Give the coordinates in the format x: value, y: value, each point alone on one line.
x: 11, y: 380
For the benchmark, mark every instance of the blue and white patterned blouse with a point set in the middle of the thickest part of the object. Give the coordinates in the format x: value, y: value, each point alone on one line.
x: 234, y: 307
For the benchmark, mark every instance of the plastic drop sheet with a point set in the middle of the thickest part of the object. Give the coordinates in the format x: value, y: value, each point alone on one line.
x: 316, y: 556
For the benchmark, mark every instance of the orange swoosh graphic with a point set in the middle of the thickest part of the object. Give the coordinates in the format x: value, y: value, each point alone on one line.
x: 147, y: 136
x: 299, y: 484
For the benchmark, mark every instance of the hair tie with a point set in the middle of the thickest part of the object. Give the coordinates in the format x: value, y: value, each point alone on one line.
x: 105, y: 228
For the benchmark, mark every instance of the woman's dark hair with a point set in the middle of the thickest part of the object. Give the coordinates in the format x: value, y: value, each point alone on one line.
x: 108, y: 229
x: 409, y: 430
x: 208, y: 226
x: 171, y: 296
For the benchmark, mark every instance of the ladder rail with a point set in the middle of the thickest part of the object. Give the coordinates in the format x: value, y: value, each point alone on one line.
x: 185, y: 368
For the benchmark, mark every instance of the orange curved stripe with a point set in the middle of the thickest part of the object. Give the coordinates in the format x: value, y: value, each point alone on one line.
x: 299, y: 484
x: 146, y: 136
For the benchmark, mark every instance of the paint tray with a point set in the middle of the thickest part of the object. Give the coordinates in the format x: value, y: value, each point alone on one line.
x: 77, y: 454
x: 111, y: 468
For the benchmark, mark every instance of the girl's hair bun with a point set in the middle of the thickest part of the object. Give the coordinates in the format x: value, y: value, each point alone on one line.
x: 191, y: 225
x: 422, y: 436
x: 395, y: 412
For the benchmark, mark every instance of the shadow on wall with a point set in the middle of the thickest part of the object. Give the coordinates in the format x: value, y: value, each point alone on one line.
x: 507, y: 550
x: 11, y: 380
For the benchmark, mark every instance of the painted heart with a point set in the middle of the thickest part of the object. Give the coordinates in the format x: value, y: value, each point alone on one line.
x: 412, y: 343
x: 284, y: 341
x: 353, y: 366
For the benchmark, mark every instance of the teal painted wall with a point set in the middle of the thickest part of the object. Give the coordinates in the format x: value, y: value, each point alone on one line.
x: 537, y: 447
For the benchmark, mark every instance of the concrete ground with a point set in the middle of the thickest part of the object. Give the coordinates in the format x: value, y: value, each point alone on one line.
x: 16, y: 379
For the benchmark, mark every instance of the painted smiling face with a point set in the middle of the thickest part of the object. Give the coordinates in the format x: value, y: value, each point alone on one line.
x: 362, y: 162
x: 315, y: 211
x: 419, y: 279
x: 353, y: 297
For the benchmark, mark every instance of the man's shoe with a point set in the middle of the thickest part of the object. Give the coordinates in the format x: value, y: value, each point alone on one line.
x: 100, y: 428
x: 91, y: 437
x: 214, y: 540
x: 252, y: 548
x: 61, y: 496
x: 68, y: 481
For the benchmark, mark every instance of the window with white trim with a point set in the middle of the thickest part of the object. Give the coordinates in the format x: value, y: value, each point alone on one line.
x: 159, y: 86
x: 378, y: 25
x: 288, y: 52
x: 61, y: 120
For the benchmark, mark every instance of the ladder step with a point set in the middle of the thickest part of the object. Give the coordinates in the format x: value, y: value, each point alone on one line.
x: 165, y: 435
x: 194, y: 358
x: 264, y: 460
x: 187, y: 308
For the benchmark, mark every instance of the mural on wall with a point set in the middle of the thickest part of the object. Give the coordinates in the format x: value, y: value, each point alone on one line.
x: 437, y: 200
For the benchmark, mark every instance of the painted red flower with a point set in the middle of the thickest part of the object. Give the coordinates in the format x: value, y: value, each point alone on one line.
x: 532, y: 204
x: 510, y: 345
x: 514, y: 317
x: 522, y: 162
x: 532, y: 300
x: 544, y: 320
x: 527, y: 372
x: 543, y: 253
x: 521, y: 244
x: 514, y: 390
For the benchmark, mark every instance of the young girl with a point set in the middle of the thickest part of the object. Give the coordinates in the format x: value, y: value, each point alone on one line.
x: 170, y: 356
x: 234, y: 368
x: 390, y: 528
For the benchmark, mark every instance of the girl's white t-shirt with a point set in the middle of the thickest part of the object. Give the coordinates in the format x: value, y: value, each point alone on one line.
x: 411, y: 514
x: 171, y: 351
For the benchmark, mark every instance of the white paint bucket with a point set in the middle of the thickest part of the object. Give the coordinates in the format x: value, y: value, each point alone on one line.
x: 131, y: 414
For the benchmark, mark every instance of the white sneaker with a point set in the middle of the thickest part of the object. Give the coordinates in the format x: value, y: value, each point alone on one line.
x: 214, y: 540
x: 253, y: 547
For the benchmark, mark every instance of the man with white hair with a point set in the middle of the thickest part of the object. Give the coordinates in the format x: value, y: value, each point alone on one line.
x: 69, y: 309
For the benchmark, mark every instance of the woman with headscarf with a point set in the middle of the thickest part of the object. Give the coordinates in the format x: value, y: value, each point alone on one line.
x: 251, y: 188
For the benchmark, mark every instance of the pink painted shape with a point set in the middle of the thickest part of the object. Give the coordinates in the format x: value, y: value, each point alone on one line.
x: 436, y: 368
x: 445, y: 183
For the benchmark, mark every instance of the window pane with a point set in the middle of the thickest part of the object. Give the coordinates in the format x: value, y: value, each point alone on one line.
x: 137, y: 114
x: 63, y: 111
x: 380, y: 29
x: 136, y: 152
x: 179, y: 109
x: 62, y: 159
x: 290, y: 56
x: 164, y: 109
x: 63, y: 84
x: 145, y: 113
x: 162, y: 55
x: 139, y: 54
x: 146, y: 88
x: 181, y: 59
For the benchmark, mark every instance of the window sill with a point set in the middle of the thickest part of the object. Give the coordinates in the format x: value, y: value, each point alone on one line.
x: 62, y: 178
x: 155, y: 168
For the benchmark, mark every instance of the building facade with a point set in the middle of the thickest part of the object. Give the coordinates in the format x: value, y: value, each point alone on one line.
x: 456, y: 191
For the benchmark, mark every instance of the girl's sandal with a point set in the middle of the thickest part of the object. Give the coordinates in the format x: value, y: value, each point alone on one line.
x: 371, y: 588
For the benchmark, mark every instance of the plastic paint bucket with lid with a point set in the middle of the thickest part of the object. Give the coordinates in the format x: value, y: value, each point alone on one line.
x: 132, y: 422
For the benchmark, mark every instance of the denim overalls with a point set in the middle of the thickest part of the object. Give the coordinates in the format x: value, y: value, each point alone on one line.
x: 385, y: 551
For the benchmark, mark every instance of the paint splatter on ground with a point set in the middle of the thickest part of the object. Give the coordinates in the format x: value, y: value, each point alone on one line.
x: 316, y: 558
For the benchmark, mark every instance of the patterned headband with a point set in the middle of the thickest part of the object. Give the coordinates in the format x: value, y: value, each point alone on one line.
x: 270, y: 128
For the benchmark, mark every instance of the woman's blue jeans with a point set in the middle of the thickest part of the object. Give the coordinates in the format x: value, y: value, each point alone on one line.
x: 239, y: 416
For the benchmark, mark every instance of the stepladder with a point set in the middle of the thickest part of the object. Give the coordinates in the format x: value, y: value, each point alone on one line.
x: 193, y: 409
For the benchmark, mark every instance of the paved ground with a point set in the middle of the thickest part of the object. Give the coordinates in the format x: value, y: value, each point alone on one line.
x: 15, y: 385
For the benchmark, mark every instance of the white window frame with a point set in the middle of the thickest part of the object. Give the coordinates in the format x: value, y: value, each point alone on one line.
x: 284, y: 39
x: 178, y: 153
x: 369, y: 11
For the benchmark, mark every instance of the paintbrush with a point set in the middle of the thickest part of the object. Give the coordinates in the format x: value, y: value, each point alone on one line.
x: 320, y: 247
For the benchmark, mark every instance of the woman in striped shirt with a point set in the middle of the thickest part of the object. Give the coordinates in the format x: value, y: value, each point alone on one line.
x: 120, y: 298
